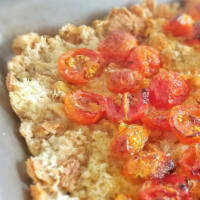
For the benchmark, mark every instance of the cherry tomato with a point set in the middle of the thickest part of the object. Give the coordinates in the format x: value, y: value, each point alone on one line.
x: 181, y: 25
x: 124, y: 80
x: 134, y: 109
x: 145, y: 59
x: 130, y: 109
x: 172, y: 187
x: 130, y: 140
x: 185, y: 123
x: 116, y: 47
x: 190, y: 162
x: 123, y: 197
x: 195, y: 35
x: 148, y: 164
x: 77, y: 66
x: 156, y: 119
x: 168, y: 89
x: 194, y: 12
x: 84, y: 107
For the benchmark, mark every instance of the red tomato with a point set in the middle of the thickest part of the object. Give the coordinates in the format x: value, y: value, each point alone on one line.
x: 156, y: 119
x: 145, y: 59
x: 172, y: 187
x: 145, y: 165
x: 129, y: 141
x: 84, y: 107
x: 77, y: 66
x: 190, y: 162
x: 134, y: 109
x: 195, y: 35
x: 124, y: 80
x: 194, y: 12
x: 168, y: 89
x: 131, y: 109
x: 116, y: 47
x: 181, y: 25
x: 185, y: 123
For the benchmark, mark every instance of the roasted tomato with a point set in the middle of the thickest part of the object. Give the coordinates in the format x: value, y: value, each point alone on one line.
x: 130, y: 140
x: 84, y: 107
x: 130, y: 109
x: 181, y: 25
x: 123, y: 197
x: 148, y: 164
x: 116, y: 47
x: 190, y: 162
x: 145, y: 59
x: 195, y: 35
x: 134, y: 108
x: 77, y: 66
x: 172, y: 187
x: 156, y: 119
x: 168, y: 89
x: 124, y: 80
x: 194, y: 12
x: 185, y: 123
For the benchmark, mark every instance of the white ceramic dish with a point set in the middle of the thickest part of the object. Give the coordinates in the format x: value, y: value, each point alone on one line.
x: 18, y: 17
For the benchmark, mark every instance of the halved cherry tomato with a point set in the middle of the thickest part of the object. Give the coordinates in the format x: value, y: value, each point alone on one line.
x: 124, y: 80
x: 84, y: 107
x: 156, y: 119
x: 134, y: 109
x: 145, y: 59
x: 181, y: 25
x: 130, y: 140
x: 194, y: 12
x: 123, y: 197
x: 168, y: 89
x: 172, y: 187
x: 190, y: 162
x: 77, y: 66
x: 148, y: 164
x: 116, y: 46
x: 185, y: 123
x: 195, y: 35
x: 130, y: 109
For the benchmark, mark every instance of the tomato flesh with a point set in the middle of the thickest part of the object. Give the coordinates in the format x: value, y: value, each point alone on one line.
x: 156, y: 119
x: 167, y: 89
x: 84, y: 107
x: 181, y: 25
x: 185, y: 123
x: 148, y: 164
x: 129, y: 141
x: 116, y: 46
x: 77, y: 66
x: 172, y: 187
x: 145, y: 59
x: 190, y: 162
x: 124, y: 80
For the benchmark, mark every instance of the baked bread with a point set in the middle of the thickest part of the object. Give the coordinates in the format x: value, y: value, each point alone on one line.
x: 70, y: 161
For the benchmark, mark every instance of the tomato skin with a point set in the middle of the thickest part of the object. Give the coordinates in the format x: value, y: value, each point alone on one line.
x: 129, y: 110
x: 181, y: 25
x: 116, y: 46
x: 190, y: 162
x: 129, y: 141
x: 167, y: 89
x: 184, y: 122
x: 172, y: 187
x: 156, y: 119
x: 91, y: 64
x: 145, y: 59
x: 124, y: 80
x: 78, y: 107
x: 147, y: 165
x: 195, y: 35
